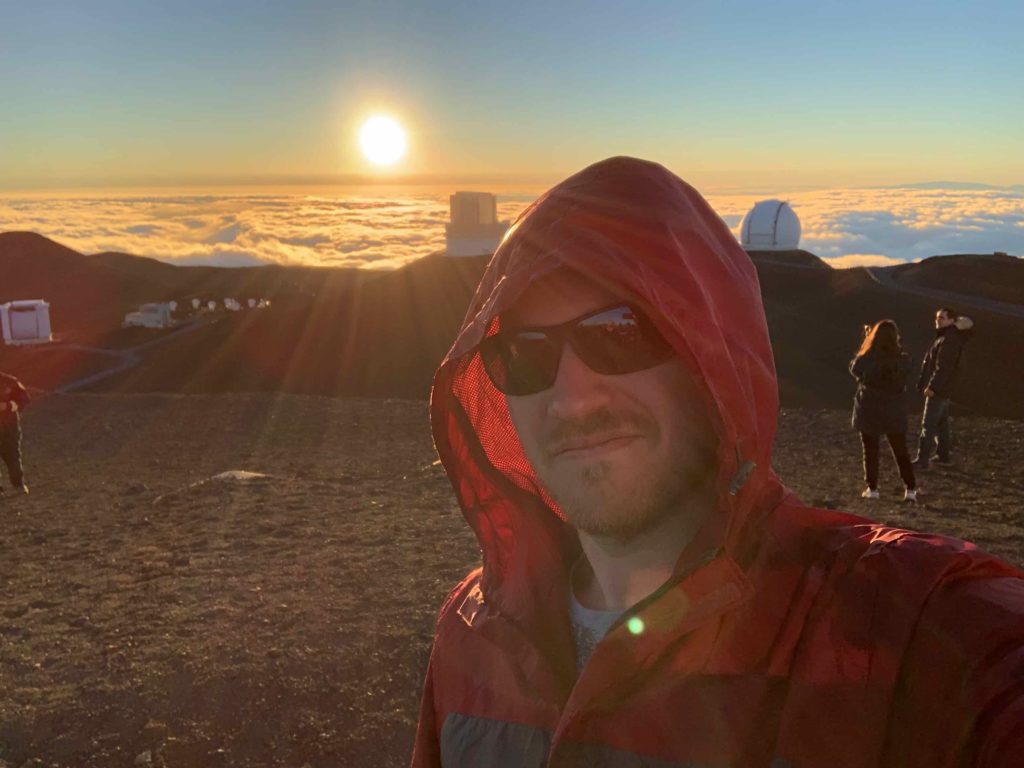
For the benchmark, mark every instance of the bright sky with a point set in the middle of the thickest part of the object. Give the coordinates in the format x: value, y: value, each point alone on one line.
x: 730, y: 95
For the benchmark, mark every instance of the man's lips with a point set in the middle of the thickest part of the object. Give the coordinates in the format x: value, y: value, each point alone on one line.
x: 592, y: 444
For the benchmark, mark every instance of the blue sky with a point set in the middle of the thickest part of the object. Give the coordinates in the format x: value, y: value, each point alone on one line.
x: 729, y: 95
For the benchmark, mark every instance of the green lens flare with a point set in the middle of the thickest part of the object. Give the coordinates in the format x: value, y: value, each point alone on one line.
x: 635, y: 625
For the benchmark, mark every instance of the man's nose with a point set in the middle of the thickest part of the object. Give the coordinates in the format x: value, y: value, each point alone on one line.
x: 577, y: 390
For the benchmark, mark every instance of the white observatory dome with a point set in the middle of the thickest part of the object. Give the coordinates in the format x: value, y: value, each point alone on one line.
x: 771, y: 225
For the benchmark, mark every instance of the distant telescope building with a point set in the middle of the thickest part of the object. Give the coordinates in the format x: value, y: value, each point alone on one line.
x: 149, y: 316
x: 474, y: 229
x: 26, y: 322
x: 771, y: 225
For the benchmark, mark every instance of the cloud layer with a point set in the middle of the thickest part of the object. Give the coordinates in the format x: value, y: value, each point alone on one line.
x: 849, y: 227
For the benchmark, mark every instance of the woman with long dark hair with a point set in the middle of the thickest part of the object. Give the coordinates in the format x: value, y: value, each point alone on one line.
x: 881, y: 369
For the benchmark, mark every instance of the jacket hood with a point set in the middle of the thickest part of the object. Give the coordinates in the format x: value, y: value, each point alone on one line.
x: 633, y: 225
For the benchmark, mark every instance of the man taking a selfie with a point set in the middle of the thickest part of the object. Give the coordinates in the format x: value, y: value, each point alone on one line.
x: 651, y: 593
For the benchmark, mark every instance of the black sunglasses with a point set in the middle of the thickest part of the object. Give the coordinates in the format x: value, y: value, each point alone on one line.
x: 611, y: 341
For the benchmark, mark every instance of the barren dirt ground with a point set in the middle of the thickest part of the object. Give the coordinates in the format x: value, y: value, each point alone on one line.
x: 150, y: 615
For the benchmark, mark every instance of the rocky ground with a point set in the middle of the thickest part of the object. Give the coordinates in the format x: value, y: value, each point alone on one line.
x: 152, y: 613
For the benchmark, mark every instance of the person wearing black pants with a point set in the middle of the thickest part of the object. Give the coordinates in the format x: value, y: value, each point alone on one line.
x: 881, y: 369
x: 900, y: 454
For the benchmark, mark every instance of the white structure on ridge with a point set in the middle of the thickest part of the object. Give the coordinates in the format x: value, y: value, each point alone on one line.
x: 771, y: 225
x: 474, y: 229
x: 149, y: 316
x: 26, y: 322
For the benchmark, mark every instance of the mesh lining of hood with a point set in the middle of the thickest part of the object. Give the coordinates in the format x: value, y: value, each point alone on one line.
x: 487, y: 410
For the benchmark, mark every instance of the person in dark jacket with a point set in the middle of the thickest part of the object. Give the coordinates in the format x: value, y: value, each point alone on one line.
x: 13, y: 398
x: 938, y: 372
x: 650, y: 593
x: 881, y: 369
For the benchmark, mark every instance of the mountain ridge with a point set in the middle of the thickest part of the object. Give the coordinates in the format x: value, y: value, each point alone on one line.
x: 346, y: 332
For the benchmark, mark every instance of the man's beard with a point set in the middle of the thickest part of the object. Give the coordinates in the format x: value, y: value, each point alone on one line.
x: 600, y: 502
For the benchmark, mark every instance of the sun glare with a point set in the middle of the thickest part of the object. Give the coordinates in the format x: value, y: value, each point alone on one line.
x: 382, y: 140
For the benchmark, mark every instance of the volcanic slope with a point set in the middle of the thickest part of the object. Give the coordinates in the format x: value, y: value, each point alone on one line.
x: 157, y: 611
x: 382, y: 334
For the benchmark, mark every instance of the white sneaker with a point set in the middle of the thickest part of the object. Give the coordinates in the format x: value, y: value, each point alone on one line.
x: 869, y: 493
x: 910, y: 494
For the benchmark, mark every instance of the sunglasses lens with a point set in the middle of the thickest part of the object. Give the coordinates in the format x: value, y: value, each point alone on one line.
x: 520, y: 363
x: 610, y: 342
x: 618, y: 341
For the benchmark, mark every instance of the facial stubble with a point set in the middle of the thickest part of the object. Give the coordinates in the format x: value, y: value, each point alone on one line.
x: 598, y: 500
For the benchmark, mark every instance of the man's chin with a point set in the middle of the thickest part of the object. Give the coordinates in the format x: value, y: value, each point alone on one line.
x: 607, y: 515
x: 612, y: 528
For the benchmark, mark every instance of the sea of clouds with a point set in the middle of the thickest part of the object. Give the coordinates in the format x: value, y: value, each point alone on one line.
x: 385, y: 228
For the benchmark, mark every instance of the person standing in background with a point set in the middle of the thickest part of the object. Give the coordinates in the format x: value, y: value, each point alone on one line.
x: 881, y: 369
x: 938, y: 371
x: 13, y: 398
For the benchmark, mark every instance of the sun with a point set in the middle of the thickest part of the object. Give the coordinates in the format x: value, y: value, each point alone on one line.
x: 382, y: 140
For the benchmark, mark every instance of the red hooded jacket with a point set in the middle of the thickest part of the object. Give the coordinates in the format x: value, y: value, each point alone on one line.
x: 788, y: 636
